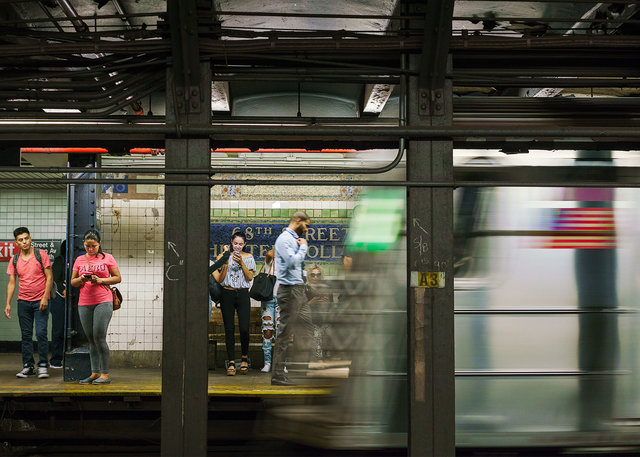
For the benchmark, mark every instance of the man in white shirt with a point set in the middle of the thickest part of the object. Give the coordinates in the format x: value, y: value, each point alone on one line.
x: 290, y: 252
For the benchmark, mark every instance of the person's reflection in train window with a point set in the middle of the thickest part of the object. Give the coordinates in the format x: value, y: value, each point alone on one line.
x: 595, y: 272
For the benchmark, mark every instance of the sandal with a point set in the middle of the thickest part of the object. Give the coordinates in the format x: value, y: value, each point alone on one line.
x: 244, y: 365
x: 231, y: 369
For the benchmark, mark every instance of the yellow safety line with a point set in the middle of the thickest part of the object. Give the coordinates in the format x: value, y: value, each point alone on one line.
x: 111, y: 390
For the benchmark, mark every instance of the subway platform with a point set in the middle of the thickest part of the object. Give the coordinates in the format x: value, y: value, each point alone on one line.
x: 124, y: 417
x: 142, y: 382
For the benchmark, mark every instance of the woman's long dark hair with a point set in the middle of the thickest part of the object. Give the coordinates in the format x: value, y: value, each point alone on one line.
x: 95, y: 236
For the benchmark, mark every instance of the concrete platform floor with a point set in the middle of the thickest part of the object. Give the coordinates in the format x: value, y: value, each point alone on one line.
x: 145, y: 382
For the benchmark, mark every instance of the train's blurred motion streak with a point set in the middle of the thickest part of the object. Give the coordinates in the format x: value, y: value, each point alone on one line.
x: 364, y: 345
x: 546, y: 327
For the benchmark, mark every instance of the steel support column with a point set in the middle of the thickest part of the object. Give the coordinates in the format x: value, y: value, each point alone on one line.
x: 184, y: 334
x: 82, y: 206
x: 430, y: 249
x: 186, y: 238
x: 430, y: 246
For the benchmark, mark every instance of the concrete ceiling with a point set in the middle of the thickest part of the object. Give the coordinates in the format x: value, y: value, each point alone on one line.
x: 315, y: 61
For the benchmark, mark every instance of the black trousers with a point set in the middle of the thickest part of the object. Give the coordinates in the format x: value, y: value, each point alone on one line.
x: 232, y: 301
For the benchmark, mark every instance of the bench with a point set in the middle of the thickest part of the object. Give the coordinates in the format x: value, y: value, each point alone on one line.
x: 217, y: 353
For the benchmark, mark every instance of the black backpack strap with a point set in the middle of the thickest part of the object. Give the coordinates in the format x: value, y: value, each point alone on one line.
x: 36, y: 252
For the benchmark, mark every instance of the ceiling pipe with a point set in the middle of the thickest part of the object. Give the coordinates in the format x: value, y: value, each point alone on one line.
x: 476, y: 130
x: 315, y: 182
x: 113, y: 92
x: 72, y: 14
x: 106, y: 99
x: 265, y: 49
x: 98, y: 69
x: 78, y: 84
x: 82, y: 27
x: 124, y: 17
x: 50, y: 16
x: 139, y: 91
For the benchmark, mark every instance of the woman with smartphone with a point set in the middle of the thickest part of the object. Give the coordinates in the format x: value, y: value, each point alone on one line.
x: 93, y: 273
x: 235, y: 276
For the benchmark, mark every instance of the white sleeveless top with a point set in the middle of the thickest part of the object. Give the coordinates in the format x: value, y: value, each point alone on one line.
x: 235, y: 276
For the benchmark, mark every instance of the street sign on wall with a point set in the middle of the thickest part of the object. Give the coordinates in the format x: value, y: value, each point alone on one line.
x: 9, y: 248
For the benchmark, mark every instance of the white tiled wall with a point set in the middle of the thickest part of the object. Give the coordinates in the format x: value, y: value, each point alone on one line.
x: 133, y: 231
x: 44, y: 213
x: 284, y: 204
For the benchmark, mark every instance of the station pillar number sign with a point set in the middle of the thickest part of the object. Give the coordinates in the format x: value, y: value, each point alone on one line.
x: 427, y: 279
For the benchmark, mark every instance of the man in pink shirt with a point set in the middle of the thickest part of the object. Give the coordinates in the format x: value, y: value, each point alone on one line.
x: 34, y: 288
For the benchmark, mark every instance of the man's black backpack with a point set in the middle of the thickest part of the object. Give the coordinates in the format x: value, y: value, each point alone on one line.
x: 215, y: 290
x: 36, y: 253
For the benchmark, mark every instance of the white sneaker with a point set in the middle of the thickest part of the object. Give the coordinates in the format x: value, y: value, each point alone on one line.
x: 26, y: 372
x: 266, y: 368
x: 43, y: 372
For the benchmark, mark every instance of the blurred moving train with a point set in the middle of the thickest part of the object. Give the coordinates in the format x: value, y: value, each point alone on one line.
x: 546, y: 318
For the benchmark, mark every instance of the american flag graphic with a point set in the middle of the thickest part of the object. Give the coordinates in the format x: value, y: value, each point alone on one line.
x: 582, y: 228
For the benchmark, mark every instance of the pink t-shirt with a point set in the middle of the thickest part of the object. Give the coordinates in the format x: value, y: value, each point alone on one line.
x: 31, y: 278
x: 92, y: 294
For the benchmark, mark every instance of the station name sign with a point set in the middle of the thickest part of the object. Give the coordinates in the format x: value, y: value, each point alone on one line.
x: 326, y: 241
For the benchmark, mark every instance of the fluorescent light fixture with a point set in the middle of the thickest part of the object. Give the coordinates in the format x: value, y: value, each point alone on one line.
x: 220, y: 96
x: 376, y: 96
x: 61, y: 110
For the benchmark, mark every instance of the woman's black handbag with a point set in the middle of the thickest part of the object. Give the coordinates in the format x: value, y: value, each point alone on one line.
x: 215, y: 290
x: 262, y: 287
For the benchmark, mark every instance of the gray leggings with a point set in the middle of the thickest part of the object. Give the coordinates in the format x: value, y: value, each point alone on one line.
x: 95, y: 320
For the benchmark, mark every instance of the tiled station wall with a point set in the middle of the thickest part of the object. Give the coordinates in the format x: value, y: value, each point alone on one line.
x: 131, y: 221
x: 44, y: 213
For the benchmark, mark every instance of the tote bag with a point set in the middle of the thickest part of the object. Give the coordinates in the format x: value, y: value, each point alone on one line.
x: 262, y: 287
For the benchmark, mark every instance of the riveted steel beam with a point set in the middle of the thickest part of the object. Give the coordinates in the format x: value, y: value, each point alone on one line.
x: 185, y: 47
x: 430, y: 241
x: 186, y: 235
